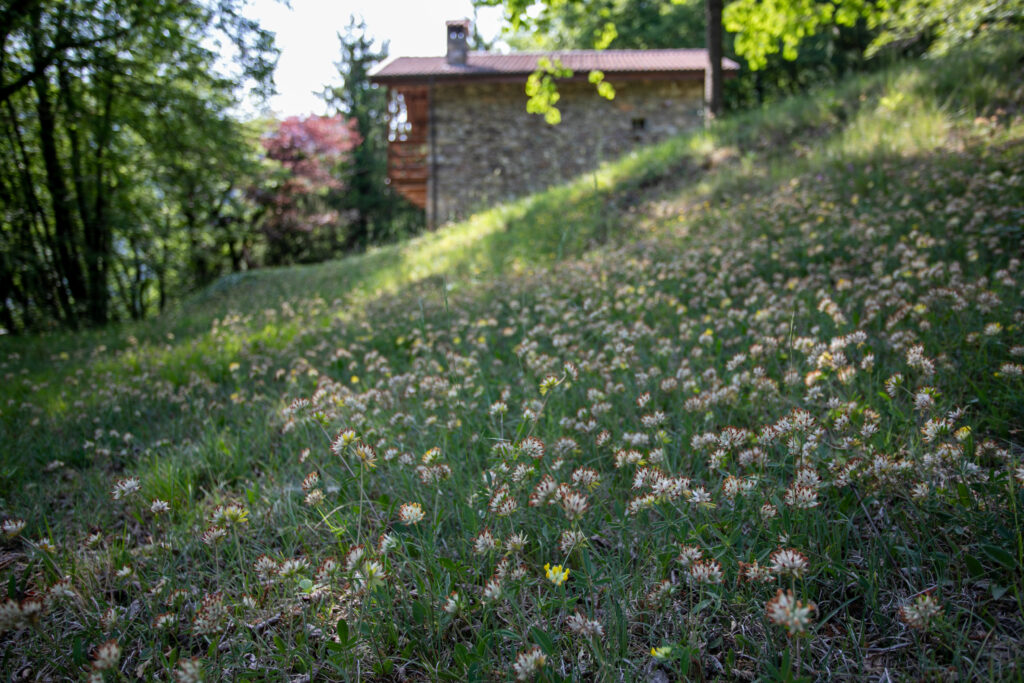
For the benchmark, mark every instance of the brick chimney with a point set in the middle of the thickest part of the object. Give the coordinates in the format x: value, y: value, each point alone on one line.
x: 458, y: 41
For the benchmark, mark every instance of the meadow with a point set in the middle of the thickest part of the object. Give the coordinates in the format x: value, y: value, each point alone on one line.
x: 745, y: 405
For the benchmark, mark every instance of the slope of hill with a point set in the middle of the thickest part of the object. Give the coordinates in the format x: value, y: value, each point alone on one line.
x: 746, y: 404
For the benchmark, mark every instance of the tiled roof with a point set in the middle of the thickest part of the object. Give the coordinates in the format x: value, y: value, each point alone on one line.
x: 487, y: 66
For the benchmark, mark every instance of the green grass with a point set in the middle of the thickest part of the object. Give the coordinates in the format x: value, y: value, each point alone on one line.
x: 799, y: 329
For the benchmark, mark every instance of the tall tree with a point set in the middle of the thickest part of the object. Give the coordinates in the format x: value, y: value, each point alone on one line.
x: 766, y: 27
x: 628, y: 24
x: 366, y: 105
x: 713, y: 74
x: 377, y: 213
x: 84, y: 85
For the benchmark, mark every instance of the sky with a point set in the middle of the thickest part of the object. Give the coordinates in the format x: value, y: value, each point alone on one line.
x: 307, y: 35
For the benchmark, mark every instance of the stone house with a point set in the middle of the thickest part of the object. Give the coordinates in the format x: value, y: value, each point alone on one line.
x: 461, y: 138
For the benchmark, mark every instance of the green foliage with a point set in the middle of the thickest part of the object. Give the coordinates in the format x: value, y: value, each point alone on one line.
x: 541, y: 89
x: 119, y: 155
x: 620, y: 24
x: 764, y: 28
x: 604, y: 88
x: 941, y: 25
x: 788, y: 45
x: 767, y: 27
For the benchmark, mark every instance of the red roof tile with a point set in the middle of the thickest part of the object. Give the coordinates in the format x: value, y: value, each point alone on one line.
x: 490, y: 66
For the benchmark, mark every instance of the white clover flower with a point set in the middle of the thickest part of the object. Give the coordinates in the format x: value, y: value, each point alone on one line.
x: 125, y: 488
x: 13, y: 527
x: 410, y: 513
x: 786, y: 611
x: 789, y: 561
x: 528, y: 663
x: 921, y: 612
x: 106, y: 656
x: 582, y: 626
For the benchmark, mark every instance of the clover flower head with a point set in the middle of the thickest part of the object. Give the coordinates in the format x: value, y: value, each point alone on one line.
x: 106, y: 656
x: 410, y: 513
x: 528, y: 663
x: 789, y: 612
x: 920, y: 613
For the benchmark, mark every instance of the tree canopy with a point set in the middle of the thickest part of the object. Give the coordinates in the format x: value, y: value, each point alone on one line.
x: 297, y: 219
x: 118, y: 150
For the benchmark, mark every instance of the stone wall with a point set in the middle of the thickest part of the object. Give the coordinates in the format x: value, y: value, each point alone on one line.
x: 489, y: 149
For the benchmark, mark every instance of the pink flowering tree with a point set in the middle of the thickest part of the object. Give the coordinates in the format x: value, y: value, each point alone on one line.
x: 296, y: 197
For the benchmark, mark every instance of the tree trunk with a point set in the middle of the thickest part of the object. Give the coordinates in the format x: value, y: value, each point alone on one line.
x: 63, y: 222
x: 32, y: 240
x: 713, y: 74
x: 98, y: 239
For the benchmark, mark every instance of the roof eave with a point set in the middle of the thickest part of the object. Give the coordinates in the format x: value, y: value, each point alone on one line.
x: 520, y: 77
x: 377, y: 68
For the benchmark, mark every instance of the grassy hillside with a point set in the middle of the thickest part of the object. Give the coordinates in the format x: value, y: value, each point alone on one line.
x: 759, y: 390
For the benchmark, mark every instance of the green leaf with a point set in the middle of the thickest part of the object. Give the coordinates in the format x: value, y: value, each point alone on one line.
x: 1000, y: 555
x: 975, y: 567
x: 507, y: 634
x: 342, y: 631
x: 684, y: 655
x: 700, y: 606
x: 847, y: 504
x: 461, y: 654
x: 964, y: 493
x: 588, y: 566
x: 544, y: 640
x: 419, y: 612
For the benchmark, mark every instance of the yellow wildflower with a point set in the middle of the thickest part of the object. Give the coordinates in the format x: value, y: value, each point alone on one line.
x: 556, y: 574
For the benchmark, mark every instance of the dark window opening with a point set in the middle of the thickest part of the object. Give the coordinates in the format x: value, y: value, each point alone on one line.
x: 639, y: 125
